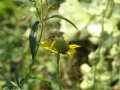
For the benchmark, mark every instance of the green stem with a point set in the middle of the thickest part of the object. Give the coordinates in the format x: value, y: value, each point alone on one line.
x: 95, y: 65
x: 39, y: 14
x: 119, y: 75
x: 58, y: 71
x: 27, y: 74
x: 42, y: 24
x: 30, y: 67
x: 93, y: 88
x: 37, y: 47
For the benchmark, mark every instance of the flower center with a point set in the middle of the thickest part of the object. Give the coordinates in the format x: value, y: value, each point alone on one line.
x: 60, y: 45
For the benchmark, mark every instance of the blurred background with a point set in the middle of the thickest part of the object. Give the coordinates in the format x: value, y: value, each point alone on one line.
x: 97, y: 60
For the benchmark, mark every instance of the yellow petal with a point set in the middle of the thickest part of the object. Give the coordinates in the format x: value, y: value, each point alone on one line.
x: 53, y: 51
x: 71, y: 51
x: 73, y: 46
x: 49, y: 49
x: 45, y: 44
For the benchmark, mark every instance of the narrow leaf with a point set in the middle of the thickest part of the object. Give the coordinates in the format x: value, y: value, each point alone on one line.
x: 13, y: 84
x: 41, y: 79
x: 109, y: 8
x: 32, y: 39
x: 17, y: 79
x: 61, y: 17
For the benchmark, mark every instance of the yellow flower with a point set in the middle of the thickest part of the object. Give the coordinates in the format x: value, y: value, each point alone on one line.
x: 59, y: 45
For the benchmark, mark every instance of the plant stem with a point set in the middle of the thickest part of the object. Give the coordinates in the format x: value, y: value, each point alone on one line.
x: 119, y: 75
x: 93, y: 88
x: 30, y: 67
x: 37, y: 47
x: 58, y: 71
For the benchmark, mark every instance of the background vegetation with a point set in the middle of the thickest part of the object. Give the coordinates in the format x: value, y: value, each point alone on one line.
x: 95, y: 66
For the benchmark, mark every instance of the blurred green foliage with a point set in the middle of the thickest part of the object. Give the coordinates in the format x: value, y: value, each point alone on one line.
x: 99, y: 23
x: 96, y: 63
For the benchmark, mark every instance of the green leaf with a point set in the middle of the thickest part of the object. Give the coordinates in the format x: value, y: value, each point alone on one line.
x: 12, y: 85
x: 109, y: 8
x: 61, y: 17
x: 41, y: 79
x: 22, y: 81
x: 32, y: 39
x: 17, y: 79
x: 38, y: 78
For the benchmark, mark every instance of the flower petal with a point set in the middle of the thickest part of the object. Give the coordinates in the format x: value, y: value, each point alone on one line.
x: 73, y: 46
x: 45, y: 44
x: 71, y: 51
